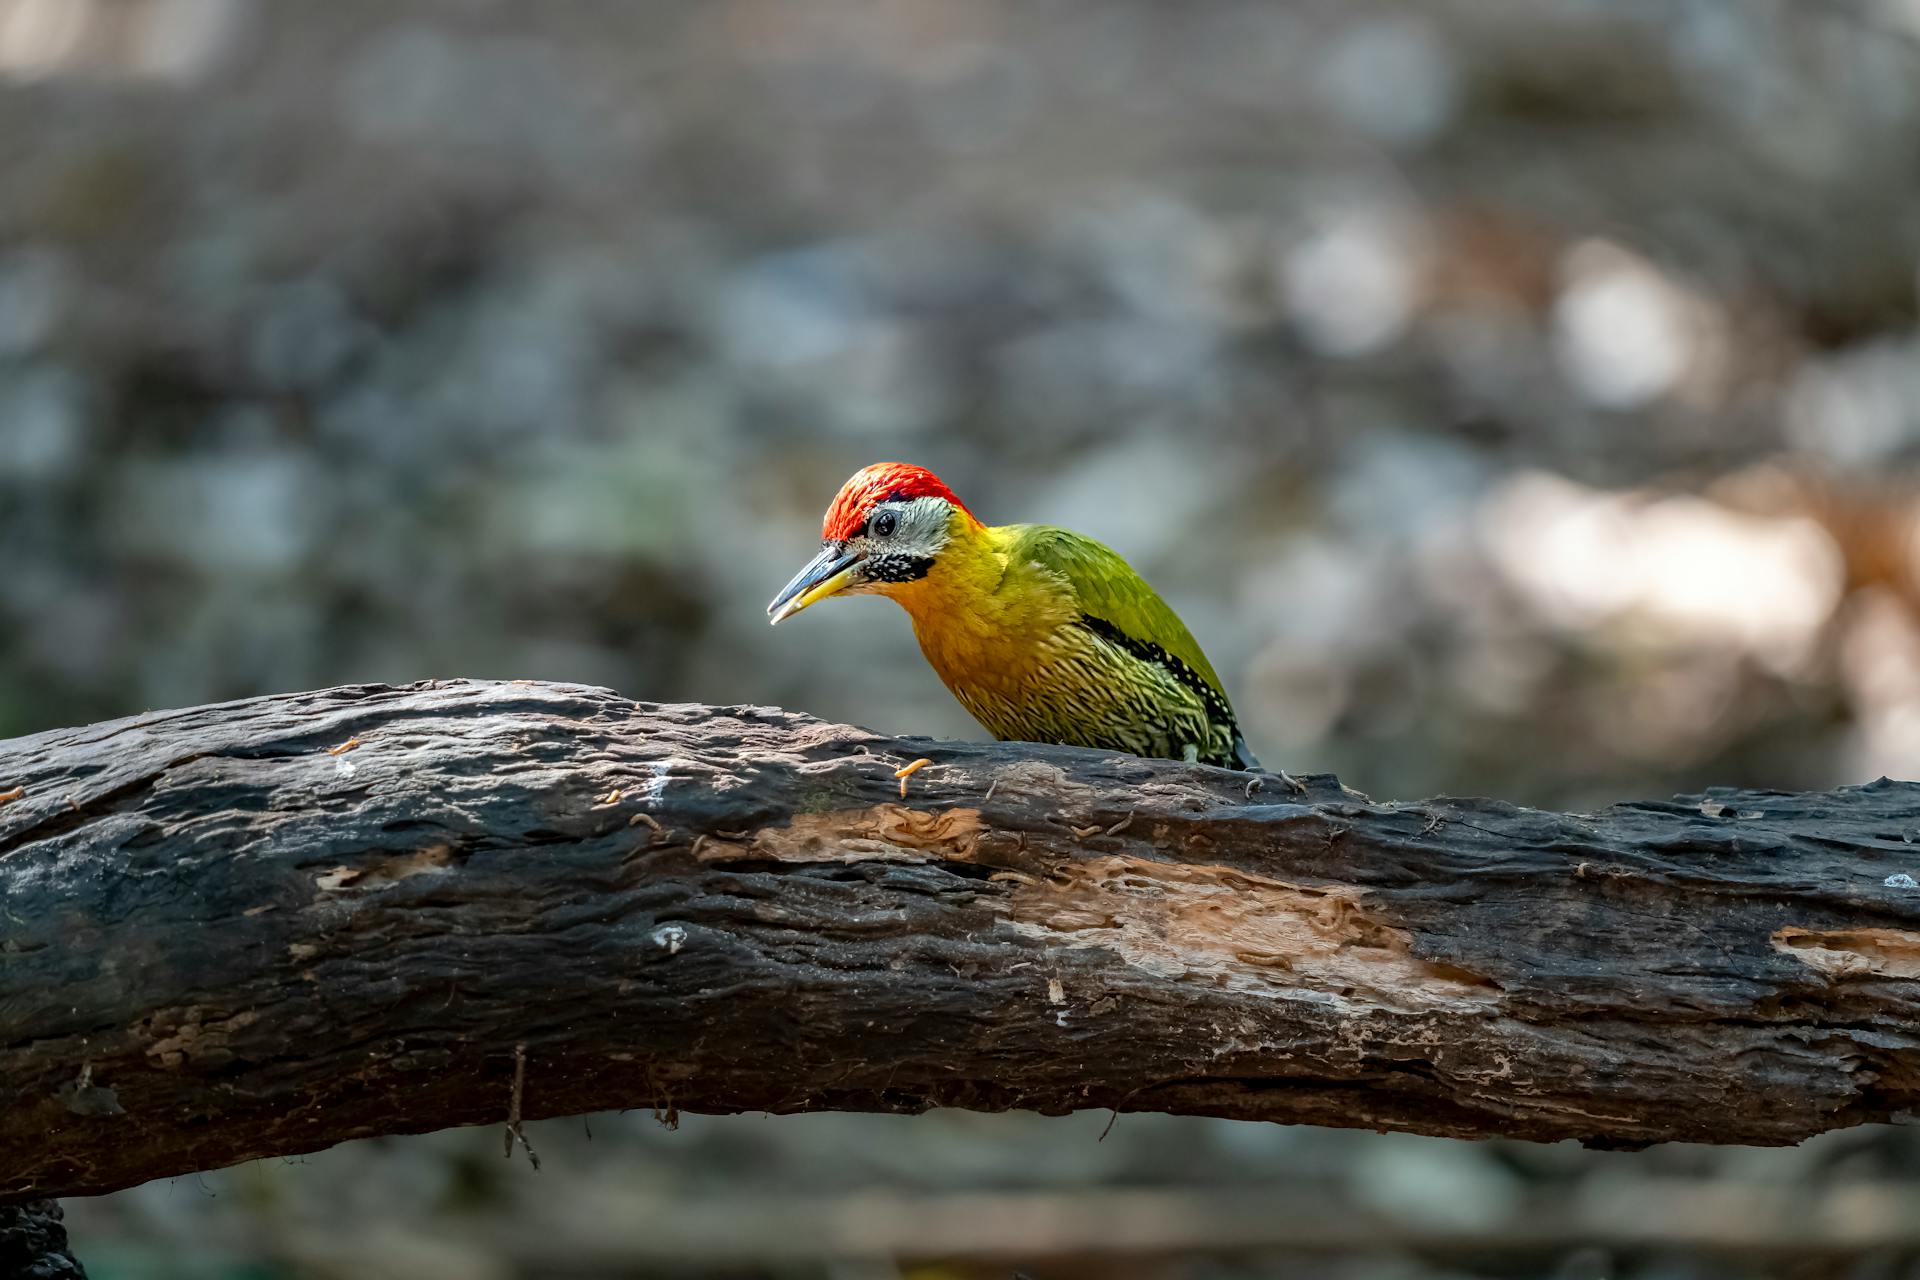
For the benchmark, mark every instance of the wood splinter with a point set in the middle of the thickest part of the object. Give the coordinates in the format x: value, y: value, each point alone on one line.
x: 344, y: 747
x: 514, y: 1132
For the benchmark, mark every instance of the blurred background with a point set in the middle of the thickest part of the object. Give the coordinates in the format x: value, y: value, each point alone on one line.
x: 1516, y: 399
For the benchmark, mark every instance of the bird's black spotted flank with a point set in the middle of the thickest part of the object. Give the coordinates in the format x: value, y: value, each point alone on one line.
x: 1218, y: 711
x: 1147, y: 651
x: 898, y: 568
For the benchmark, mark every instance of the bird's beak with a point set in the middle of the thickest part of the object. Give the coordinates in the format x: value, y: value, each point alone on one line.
x: 826, y: 574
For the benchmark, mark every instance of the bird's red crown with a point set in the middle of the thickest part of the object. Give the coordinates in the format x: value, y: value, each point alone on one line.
x: 871, y: 486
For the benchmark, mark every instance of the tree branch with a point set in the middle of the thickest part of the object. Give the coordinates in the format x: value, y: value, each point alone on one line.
x: 222, y: 936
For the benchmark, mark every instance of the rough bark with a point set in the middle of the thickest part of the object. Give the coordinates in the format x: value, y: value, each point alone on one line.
x: 225, y: 936
x: 33, y: 1243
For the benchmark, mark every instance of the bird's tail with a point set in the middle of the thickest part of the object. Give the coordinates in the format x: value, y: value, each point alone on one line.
x: 1243, y: 758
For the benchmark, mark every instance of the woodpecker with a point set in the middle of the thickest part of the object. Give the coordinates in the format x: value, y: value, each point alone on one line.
x: 1044, y: 635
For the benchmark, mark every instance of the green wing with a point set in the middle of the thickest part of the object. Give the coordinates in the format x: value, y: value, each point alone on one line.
x: 1117, y: 605
x: 1111, y: 592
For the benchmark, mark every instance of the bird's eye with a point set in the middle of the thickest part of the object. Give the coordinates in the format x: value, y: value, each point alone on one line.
x: 883, y: 524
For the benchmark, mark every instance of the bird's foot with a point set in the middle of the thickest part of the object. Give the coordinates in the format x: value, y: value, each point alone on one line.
x: 1294, y: 784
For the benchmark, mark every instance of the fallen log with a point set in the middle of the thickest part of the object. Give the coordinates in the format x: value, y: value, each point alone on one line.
x: 264, y: 927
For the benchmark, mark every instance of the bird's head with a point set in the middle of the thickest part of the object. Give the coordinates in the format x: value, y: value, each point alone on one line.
x: 886, y: 528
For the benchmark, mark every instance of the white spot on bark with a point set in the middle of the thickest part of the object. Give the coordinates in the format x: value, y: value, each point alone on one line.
x: 670, y: 936
x: 657, y: 783
x: 1901, y: 880
x: 344, y: 768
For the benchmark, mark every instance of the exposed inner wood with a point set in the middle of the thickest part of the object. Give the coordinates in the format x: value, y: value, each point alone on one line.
x: 1890, y: 953
x: 1235, y: 930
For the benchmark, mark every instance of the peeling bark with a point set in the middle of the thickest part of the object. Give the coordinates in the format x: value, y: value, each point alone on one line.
x: 224, y: 936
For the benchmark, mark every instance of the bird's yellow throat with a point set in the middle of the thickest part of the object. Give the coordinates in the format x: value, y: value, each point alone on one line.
x: 969, y: 628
